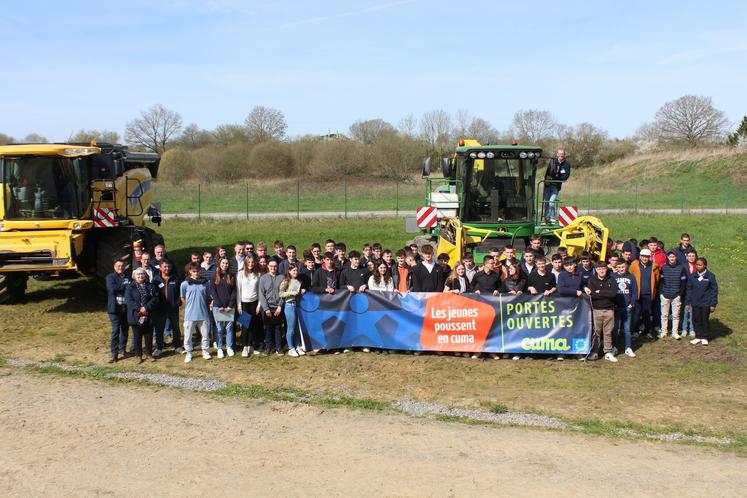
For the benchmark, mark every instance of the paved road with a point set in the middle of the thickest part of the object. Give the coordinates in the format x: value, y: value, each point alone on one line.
x: 404, y: 213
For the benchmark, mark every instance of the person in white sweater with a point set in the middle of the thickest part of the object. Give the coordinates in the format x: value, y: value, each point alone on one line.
x: 381, y: 279
x: 247, y: 301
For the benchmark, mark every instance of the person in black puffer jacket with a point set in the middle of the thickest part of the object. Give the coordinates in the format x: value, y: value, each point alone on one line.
x: 671, y: 287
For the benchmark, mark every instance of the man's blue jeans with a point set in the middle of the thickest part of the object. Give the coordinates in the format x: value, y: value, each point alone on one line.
x: 550, y: 197
x: 623, y: 319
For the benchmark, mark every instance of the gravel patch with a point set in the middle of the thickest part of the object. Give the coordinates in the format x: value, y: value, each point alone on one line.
x: 677, y: 436
x: 420, y: 408
x: 20, y: 362
x: 186, y: 383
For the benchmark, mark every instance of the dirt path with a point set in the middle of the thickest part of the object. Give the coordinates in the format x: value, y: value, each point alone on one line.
x: 72, y: 437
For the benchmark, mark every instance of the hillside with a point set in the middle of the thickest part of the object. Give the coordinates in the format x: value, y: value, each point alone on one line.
x: 705, y: 178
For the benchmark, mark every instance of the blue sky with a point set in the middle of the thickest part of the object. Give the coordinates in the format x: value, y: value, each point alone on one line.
x: 71, y: 65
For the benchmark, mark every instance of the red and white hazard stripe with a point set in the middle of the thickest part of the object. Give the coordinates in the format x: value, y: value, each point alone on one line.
x: 566, y: 215
x: 427, y: 217
x: 103, y: 218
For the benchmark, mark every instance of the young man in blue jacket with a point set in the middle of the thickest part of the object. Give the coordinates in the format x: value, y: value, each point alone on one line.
x: 702, y: 299
x: 558, y: 171
x: 167, y: 284
x: 672, y: 287
x: 116, y: 283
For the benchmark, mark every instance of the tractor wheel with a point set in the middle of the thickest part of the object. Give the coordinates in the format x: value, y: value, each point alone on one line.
x: 12, y: 287
x: 116, y: 244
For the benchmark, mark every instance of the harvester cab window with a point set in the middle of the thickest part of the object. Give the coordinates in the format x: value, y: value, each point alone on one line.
x: 499, y: 190
x: 41, y: 187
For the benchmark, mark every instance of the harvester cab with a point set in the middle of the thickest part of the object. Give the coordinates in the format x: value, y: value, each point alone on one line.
x: 71, y: 208
x: 491, y: 195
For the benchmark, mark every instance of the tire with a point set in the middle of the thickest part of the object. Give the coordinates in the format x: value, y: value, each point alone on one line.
x: 13, y: 287
x: 116, y: 244
x: 422, y: 240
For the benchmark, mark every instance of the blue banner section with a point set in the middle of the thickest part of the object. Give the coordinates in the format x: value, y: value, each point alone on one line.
x: 523, y: 324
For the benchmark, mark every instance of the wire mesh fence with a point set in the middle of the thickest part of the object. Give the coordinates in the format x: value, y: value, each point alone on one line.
x: 341, y: 195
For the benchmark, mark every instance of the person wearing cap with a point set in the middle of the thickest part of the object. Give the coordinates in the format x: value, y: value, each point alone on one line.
x: 672, y: 288
x: 646, y: 274
x: 602, y: 289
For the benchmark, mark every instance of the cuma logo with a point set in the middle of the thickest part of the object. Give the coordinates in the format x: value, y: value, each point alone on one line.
x: 545, y: 344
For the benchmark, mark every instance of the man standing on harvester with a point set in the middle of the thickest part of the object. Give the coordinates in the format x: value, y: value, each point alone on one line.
x: 558, y: 171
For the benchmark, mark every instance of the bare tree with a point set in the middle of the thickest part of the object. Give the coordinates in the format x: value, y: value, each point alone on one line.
x: 435, y: 128
x: 35, y: 138
x: 6, y: 139
x: 583, y: 143
x: 533, y: 126
x: 227, y: 134
x: 154, y: 129
x: 103, y: 136
x: 408, y: 125
x: 692, y: 119
x: 483, y: 131
x: 370, y: 131
x: 265, y: 123
x: 193, y: 137
x: 463, y: 120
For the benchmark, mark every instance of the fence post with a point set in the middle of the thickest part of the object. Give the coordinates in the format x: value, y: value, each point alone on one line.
x: 298, y: 198
x: 396, y: 201
x: 199, y: 199
x: 346, y: 197
x: 682, y: 200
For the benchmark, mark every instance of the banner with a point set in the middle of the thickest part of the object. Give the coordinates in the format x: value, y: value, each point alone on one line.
x: 420, y: 321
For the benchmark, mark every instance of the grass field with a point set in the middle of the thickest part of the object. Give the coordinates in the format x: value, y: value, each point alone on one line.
x: 674, y: 180
x: 669, y: 386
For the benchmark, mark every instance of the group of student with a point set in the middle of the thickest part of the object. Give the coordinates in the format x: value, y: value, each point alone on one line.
x: 638, y: 288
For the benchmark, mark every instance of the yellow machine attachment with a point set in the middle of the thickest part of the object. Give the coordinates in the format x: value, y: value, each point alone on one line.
x: 585, y: 233
x: 454, y: 240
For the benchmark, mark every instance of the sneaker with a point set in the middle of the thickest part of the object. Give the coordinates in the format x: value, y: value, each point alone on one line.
x: 220, y: 354
x: 695, y: 341
x: 662, y: 335
x: 300, y: 351
x: 676, y: 336
x: 346, y: 350
x: 416, y: 353
x: 188, y: 358
x: 560, y: 357
x: 704, y: 342
x: 593, y: 357
x: 475, y: 356
x: 245, y: 352
x: 113, y: 359
x: 206, y: 355
x: 230, y: 352
x: 629, y: 352
x: 366, y: 350
x: 279, y: 352
x: 516, y: 357
x: 692, y: 333
x: 495, y: 356
x: 610, y: 357
x: 293, y: 353
x: 215, y: 346
x: 649, y: 337
x: 156, y: 353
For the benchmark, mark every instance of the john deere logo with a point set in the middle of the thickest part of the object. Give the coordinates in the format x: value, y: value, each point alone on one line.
x: 545, y: 344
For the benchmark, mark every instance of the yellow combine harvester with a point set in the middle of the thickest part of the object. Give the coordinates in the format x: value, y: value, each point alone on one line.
x: 72, y: 208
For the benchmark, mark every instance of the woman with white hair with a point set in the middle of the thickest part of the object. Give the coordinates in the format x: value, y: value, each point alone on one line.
x: 140, y: 298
